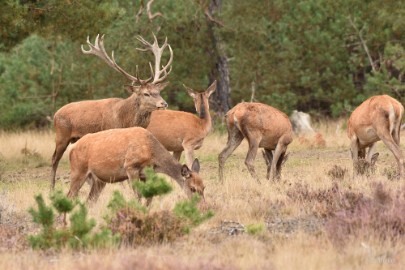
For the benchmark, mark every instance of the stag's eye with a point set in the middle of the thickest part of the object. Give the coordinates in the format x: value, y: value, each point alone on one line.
x: 192, y: 189
x: 146, y: 94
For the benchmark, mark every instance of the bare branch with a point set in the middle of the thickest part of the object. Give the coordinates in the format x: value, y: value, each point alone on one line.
x: 363, y: 42
x: 211, y: 18
x: 140, y: 11
x: 149, y: 11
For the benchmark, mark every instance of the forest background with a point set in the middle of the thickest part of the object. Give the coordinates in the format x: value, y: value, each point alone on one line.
x: 320, y: 56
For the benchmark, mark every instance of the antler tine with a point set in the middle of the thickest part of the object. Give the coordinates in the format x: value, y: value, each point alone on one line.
x: 136, y: 79
x: 164, y: 68
x: 151, y: 69
x: 98, y: 49
x: 154, y: 39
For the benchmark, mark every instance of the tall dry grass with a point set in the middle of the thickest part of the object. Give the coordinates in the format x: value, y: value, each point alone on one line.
x: 296, y: 237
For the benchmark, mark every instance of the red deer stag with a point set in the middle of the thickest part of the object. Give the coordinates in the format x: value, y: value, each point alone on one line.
x: 263, y: 126
x: 76, y: 119
x: 116, y: 155
x: 183, y: 131
x: 377, y: 118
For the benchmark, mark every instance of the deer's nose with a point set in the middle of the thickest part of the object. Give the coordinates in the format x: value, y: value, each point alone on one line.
x: 163, y: 104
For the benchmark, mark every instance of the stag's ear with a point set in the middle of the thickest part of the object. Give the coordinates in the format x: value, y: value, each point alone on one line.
x: 196, y: 166
x: 161, y: 86
x: 132, y: 88
x: 212, y: 88
x: 185, y: 171
x: 190, y: 91
x: 374, y: 159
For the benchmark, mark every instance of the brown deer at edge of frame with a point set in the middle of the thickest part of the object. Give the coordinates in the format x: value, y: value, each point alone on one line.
x: 377, y: 118
x: 117, y: 155
x: 263, y: 126
x: 182, y: 131
x: 76, y: 119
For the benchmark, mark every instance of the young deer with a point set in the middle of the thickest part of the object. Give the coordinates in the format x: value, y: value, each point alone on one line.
x: 183, y: 131
x: 377, y: 118
x: 263, y: 126
x: 76, y: 119
x: 116, y: 155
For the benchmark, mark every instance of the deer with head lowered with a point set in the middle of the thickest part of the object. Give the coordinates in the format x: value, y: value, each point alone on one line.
x: 182, y: 131
x: 262, y: 126
x: 116, y: 155
x: 377, y: 118
x: 76, y: 119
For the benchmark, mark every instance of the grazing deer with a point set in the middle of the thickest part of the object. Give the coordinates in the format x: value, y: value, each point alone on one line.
x: 377, y: 118
x: 263, y: 126
x: 116, y: 155
x: 183, y: 131
x: 76, y: 119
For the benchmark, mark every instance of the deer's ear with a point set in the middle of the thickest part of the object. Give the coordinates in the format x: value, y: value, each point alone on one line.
x: 212, y: 88
x: 132, y: 88
x: 161, y: 86
x: 196, y: 166
x: 190, y: 91
x: 374, y: 159
x: 185, y: 171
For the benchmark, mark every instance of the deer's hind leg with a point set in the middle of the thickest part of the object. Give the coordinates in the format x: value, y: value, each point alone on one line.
x: 77, y: 179
x: 396, y: 150
x: 278, y: 157
x: 96, y: 188
x: 60, y: 148
x: 235, y: 137
x: 254, y: 141
x: 268, y: 158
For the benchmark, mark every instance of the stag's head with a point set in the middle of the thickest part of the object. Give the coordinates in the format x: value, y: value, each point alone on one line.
x: 146, y: 91
x: 193, y: 181
x: 148, y: 96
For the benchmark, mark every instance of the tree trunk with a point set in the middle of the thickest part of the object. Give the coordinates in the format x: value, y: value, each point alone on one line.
x: 220, y: 100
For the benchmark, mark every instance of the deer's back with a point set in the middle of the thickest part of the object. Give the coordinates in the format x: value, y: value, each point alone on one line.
x: 366, y: 118
x: 261, y: 119
x: 87, y: 116
x: 106, y: 153
x: 171, y: 128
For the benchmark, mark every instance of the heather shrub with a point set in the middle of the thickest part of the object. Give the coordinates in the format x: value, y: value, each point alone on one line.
x: 391, y: 172
x: 380, y: 217
x: 337, y: 172
x: 137, y: 225
x: 324, y: 202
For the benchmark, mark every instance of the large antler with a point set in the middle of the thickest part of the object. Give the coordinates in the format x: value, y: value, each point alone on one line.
x: 157, y: 51
x: 99, y: 50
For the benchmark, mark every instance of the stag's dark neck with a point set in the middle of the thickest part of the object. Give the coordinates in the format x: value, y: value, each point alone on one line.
x: 133, y: 114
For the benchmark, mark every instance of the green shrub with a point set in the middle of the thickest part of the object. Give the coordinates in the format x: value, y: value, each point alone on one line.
x: 188, y: 210
x: 78, y: 236
x: 255, y: 229
x: 153, y: 186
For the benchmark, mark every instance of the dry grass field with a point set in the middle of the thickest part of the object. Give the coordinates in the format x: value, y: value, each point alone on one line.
x: 303, y: 219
